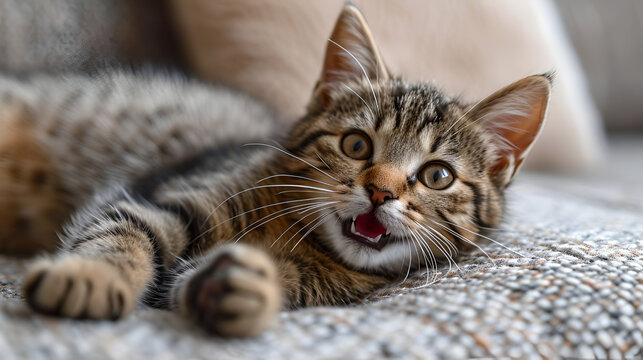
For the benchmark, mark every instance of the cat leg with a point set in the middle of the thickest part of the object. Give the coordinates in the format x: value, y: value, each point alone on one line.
x: 236, y: 290
x: 112, y: 255
x: 80, y: 287
x: 233, y: 291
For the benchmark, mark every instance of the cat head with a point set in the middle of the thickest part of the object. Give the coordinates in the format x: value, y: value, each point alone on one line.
x: 412, y: 169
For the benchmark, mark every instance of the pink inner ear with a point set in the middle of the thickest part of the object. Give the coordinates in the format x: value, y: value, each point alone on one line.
x: 514, y: 116
x: 351, y: 55
x: 348, y: 37
x: 338, y: 64
x: 526, y: 129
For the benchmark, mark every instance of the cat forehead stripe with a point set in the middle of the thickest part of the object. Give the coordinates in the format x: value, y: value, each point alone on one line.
x: 413, y: 108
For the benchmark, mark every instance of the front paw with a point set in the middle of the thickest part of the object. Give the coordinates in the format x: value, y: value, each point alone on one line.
x: 236, y: 294
x: 76, y: 287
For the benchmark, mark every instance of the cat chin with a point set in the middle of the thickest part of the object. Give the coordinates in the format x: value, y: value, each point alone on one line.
x: 394, y: 257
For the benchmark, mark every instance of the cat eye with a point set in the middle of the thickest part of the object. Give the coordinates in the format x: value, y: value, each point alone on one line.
x: 357, y: 145
x: 436, y: 176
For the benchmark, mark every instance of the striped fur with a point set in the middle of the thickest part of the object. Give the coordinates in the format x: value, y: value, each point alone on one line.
x: 176, y: 207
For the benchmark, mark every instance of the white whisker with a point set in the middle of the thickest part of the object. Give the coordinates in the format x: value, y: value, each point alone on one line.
x: 288, y: 229
x: 259, y: 208
x: 265, y: 187
x: 293, y: 176
x: 437, y: 239
x: 408, y: 270
x: 295, y: 157
x: 432, y: 259
x: 433, y: 262
x: 304, y: 227
x: 450, y: 244
x: 322, y: 160
x: 461, y: 117
x: 364, y: 101
x: 300, y: 191
x: 459, y: 236
x: 416, y: 243
x: 294, y: 208
x: 300, y: 210
x: 486, y: 237
x: 363, y: 71
x: 419, y: 244
x: 320, y: 222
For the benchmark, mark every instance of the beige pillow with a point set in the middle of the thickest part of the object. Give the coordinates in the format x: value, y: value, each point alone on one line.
x: 273, y: 49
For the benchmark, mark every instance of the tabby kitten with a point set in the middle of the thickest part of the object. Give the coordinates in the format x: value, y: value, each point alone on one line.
x: 379, y: 178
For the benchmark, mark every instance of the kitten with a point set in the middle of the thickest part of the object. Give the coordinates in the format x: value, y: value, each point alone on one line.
x: 379, y: 178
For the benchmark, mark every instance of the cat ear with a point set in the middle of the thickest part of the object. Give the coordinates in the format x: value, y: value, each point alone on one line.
x: 513, y: 117
x: 351, y: 55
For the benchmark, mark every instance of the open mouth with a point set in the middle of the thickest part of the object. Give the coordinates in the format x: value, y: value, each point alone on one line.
x: 367, y: 230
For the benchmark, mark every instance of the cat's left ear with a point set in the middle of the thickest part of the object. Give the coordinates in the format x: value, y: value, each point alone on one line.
x: 513, y: 117
x: 351, y: 55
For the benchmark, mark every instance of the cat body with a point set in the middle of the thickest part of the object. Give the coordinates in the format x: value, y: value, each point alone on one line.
x: 85, y: 134
x: 180, y: 199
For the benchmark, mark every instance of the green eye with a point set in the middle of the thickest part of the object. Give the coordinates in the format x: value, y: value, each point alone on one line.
x: 436, y: 176
x: 357, y: 145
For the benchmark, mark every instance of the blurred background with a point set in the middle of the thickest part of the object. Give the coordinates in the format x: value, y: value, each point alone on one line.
x: 603, y: 38
x: 607, y: 36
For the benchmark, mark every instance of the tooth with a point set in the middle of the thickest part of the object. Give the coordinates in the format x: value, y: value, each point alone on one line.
x: 377, y: 238
x: 353, y: 227
x: 354, y: 218
x: 388, y: 233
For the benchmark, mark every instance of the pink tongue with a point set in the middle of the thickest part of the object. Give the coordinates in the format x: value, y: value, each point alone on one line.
x: 368, y: 225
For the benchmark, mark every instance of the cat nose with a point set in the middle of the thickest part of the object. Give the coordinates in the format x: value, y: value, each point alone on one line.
x: 378, y: 196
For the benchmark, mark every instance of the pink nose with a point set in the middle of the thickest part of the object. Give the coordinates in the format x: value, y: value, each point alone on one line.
x: 378, y: 196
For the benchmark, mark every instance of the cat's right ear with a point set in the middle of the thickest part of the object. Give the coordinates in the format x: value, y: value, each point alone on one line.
x: 513, y: 117
x: 351, y: 55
